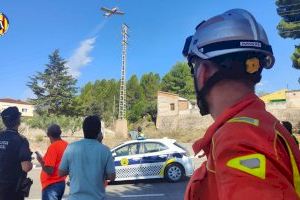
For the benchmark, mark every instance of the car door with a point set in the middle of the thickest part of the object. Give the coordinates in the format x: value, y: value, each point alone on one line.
x: 127, y: 161
x: 153, y: 160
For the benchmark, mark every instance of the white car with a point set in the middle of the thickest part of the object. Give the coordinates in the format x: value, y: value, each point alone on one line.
x: 152, y: 158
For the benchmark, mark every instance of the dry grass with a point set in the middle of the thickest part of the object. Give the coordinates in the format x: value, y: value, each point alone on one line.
x: 112, y: 141
x: 183, y: 136
x: 39, y: 141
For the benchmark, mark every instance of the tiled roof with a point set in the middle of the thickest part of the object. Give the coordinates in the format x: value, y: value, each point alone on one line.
x: 8, y: 100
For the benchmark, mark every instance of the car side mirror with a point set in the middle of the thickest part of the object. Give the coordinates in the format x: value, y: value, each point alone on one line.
x: 114, y: 154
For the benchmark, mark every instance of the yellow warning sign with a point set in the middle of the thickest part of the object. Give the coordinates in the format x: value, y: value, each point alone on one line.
x: 4, y: 24
x: 124, y: 161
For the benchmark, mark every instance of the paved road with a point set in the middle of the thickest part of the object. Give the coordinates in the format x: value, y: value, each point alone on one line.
x: 139, y: 190
x: 147, y: 189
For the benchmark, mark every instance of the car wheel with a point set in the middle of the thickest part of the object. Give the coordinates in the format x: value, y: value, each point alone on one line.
x: 174, y: 172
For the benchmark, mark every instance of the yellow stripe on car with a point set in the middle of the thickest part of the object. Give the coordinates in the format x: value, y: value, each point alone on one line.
x: 162, y: 171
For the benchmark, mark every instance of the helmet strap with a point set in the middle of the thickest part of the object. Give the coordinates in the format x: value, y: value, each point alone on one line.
x: 202, y: 93
x: 222, y: 74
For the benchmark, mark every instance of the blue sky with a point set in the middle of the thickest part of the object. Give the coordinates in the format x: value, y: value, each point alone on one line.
x: 92, y: 44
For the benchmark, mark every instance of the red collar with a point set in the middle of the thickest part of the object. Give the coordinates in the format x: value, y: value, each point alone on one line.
x: 204, y: 143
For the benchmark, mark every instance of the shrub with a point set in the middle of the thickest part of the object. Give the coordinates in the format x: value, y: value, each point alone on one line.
x: 67, y: 124
x: 39, y: 138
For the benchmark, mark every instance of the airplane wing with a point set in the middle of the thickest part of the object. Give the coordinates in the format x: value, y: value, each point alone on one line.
x: 106, y: 9
x: 119, y: 13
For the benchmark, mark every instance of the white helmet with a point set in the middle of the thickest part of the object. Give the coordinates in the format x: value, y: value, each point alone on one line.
x: 231, y: 32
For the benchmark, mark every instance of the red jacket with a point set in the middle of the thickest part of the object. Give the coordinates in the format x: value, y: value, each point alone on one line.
x: 250, y: 156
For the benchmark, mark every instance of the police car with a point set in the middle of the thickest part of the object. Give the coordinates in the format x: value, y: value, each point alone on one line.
x: 152, y: 158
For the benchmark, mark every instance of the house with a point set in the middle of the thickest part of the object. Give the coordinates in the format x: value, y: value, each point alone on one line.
x: 278, y: 96
x: 175, y: 112
x: 25, y: 108
x: 282, y: 99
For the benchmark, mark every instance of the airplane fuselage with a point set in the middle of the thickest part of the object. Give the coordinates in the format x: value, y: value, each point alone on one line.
x: 110, y: 12
x: 113, y: 11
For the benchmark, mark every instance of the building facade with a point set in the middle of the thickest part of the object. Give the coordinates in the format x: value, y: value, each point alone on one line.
x: 174, y: 112
x: 25, y: 108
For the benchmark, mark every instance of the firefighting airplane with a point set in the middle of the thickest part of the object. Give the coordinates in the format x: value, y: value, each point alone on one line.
x: 110, y: 12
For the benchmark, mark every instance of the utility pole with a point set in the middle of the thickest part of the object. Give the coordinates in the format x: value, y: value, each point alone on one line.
x: 122, y: 102
x: 121, y: 123
x: 114, y: 109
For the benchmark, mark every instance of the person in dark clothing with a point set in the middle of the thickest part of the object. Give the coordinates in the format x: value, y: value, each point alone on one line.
x: 15, y: 156
x: 289, y: 127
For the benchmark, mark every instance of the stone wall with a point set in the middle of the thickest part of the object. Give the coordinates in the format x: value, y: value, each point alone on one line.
x: 192, y: 120
x: 185, y: 120
x: 293, y: 99
x: 189, y: 118
x: 291, y: 114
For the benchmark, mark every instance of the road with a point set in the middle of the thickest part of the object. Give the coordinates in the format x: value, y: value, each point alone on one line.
x: 145, y: 189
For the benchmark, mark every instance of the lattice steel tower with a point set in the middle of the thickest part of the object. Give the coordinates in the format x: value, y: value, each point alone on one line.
x: 122, y: 101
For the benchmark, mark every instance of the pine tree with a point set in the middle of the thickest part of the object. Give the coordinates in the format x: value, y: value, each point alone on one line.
x: 100, y: 98
x: 54, y: 88
x: 179, y: 81
x: 134, y: 91
x: 289, y: 26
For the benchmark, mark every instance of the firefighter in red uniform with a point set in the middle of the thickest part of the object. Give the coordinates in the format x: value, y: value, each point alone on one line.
x: 250, y: 155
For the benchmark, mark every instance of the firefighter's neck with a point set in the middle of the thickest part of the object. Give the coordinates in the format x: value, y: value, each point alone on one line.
x: 224, y: 95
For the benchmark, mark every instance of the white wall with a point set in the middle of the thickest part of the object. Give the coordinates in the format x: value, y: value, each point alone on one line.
x: 26, y: 110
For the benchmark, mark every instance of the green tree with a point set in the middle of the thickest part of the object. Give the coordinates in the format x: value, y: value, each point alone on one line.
x: 289, y: 26
x: 296, y: 57
x: 54, y: 88
x: 67, y: 124
x: 137, y: 111
x: 179, y: 81
x: 134, y: 91
x: 150, y: 84
x: 100, y: 98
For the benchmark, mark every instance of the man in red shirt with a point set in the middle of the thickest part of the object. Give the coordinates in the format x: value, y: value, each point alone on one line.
x: 52, y: 184
x: 250, y: 155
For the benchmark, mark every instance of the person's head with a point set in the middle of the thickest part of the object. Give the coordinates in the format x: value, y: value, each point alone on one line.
x: 91, y: 127
x: 11, y: 117
x: 288, y: 126
x: 54, y: 132
x: 230, y: 49
x: 139, y: 129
